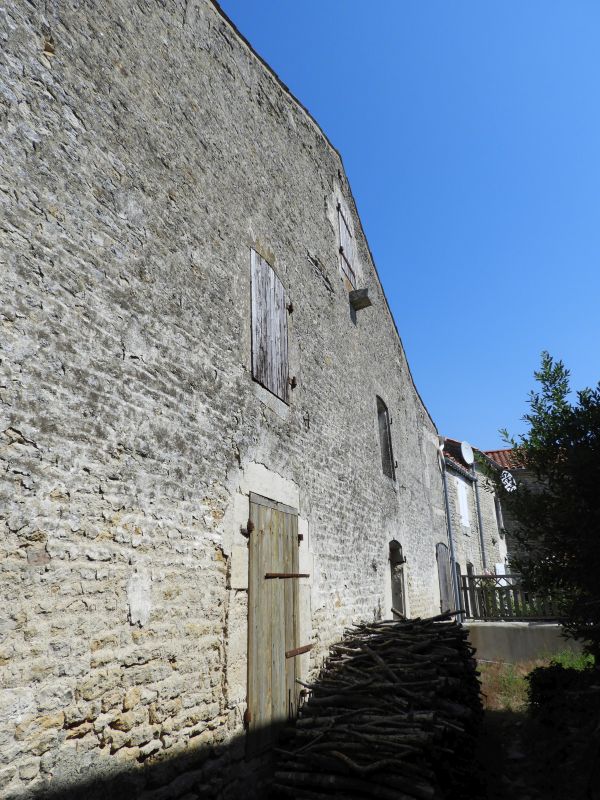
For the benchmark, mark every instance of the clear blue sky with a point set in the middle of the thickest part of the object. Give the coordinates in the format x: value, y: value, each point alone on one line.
x: 470, y: 132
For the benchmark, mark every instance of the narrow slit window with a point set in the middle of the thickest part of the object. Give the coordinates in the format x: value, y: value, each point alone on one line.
x: 347, y: 264
x: 385, y: 440
x: 269, y: 329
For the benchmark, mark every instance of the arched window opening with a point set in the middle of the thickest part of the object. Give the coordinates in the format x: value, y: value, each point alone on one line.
x: 397, y: 562
x: 385, y: 440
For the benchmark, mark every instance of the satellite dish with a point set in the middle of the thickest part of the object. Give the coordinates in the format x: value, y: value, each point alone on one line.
x: 466, y: 452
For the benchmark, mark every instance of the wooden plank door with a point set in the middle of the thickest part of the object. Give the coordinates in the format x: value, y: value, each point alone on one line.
x: 272, y: 621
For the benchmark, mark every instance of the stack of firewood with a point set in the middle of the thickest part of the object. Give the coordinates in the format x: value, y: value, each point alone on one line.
x: 393, y: 715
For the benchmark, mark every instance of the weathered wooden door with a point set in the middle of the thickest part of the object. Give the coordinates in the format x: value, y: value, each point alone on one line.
x: 272, y: 620
x: 445, y: 577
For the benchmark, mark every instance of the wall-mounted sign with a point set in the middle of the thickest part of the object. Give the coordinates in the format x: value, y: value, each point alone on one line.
x: 508, y: 481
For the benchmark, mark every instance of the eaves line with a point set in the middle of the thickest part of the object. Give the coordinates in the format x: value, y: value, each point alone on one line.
x: 322, y: 133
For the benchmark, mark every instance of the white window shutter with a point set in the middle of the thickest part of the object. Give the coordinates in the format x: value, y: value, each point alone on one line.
x: 463, y: 503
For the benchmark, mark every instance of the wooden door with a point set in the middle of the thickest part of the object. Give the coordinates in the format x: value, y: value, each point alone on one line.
x: 445, y: 577
x: 272, y: 620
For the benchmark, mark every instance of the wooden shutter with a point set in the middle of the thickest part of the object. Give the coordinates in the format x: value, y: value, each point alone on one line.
x: 445, y: 577
x: 397, y: 576
x: 463, y: 503
x: 269, y: 329
x: 346, y: 249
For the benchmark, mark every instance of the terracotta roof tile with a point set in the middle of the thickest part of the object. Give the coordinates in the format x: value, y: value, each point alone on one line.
x: 505, y: 458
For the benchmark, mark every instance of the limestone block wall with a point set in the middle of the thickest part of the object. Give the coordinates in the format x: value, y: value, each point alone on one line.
x: 145, y: 151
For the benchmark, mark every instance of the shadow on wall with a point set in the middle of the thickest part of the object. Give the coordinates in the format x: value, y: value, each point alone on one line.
x: 210, y: 771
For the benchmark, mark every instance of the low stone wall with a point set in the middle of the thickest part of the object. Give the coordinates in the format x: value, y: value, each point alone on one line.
x: 515, y: 642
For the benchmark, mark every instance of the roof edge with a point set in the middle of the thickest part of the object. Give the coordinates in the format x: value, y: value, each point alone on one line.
x: 320, y: 130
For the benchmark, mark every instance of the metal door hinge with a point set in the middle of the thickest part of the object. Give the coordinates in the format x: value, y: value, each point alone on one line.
x: 248, y: 529
x: 298, y: 651
x: 282, y: 575
x: 247, y: 718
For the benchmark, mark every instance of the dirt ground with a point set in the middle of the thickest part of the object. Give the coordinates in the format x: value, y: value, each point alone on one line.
x: 507, y: 766
x: 520, y: 757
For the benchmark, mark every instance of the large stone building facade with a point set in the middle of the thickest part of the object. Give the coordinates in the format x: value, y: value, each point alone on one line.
x: 149, y: 160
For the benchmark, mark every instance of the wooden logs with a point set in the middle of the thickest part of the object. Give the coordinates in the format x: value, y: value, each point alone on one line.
x: 394, y: 714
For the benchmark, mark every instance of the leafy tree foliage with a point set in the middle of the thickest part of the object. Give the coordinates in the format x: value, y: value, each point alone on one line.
x: 556, y: 507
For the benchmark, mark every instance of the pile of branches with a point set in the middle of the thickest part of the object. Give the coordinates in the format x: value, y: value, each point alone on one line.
x: 394, y: 715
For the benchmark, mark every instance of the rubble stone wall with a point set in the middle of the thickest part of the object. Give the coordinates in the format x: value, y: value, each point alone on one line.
x: 145, y: 150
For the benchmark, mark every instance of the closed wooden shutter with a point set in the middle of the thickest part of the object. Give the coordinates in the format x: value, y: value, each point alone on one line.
x: 346, y: 249
x: 397, y: 576
x: 463, y: 503
x: 269, y: 329
x: 445, y: 577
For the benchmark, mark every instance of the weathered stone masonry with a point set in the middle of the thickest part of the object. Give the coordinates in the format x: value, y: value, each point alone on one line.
x: 145, y: 150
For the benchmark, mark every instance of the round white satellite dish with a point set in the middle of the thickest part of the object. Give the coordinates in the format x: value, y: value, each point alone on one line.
x: 466, y: 452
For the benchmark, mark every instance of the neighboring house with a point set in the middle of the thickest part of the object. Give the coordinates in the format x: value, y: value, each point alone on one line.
x: 214, y: 458
x: 476, y: 523
x: 512, y: 472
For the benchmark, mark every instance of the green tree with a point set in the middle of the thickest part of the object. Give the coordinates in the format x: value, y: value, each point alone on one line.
x: 557, y: 510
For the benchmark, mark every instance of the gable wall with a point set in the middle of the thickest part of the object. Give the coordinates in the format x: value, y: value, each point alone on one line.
x: 143, y: 160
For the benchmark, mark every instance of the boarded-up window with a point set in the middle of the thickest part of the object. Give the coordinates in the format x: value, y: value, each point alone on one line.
x: 269, y: 329
x: 385, y: 440
x: 347, y: 262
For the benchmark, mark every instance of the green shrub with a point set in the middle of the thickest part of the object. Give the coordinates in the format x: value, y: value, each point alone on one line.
x: 571, y: 660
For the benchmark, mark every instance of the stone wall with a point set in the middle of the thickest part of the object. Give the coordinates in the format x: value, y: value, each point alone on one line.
x: 468, y: 538
x: 145, y: 150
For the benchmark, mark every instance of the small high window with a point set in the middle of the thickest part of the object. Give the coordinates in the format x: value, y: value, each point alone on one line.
x: 269, y: 329
x: 385, y: 440
x: 347, y: 257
